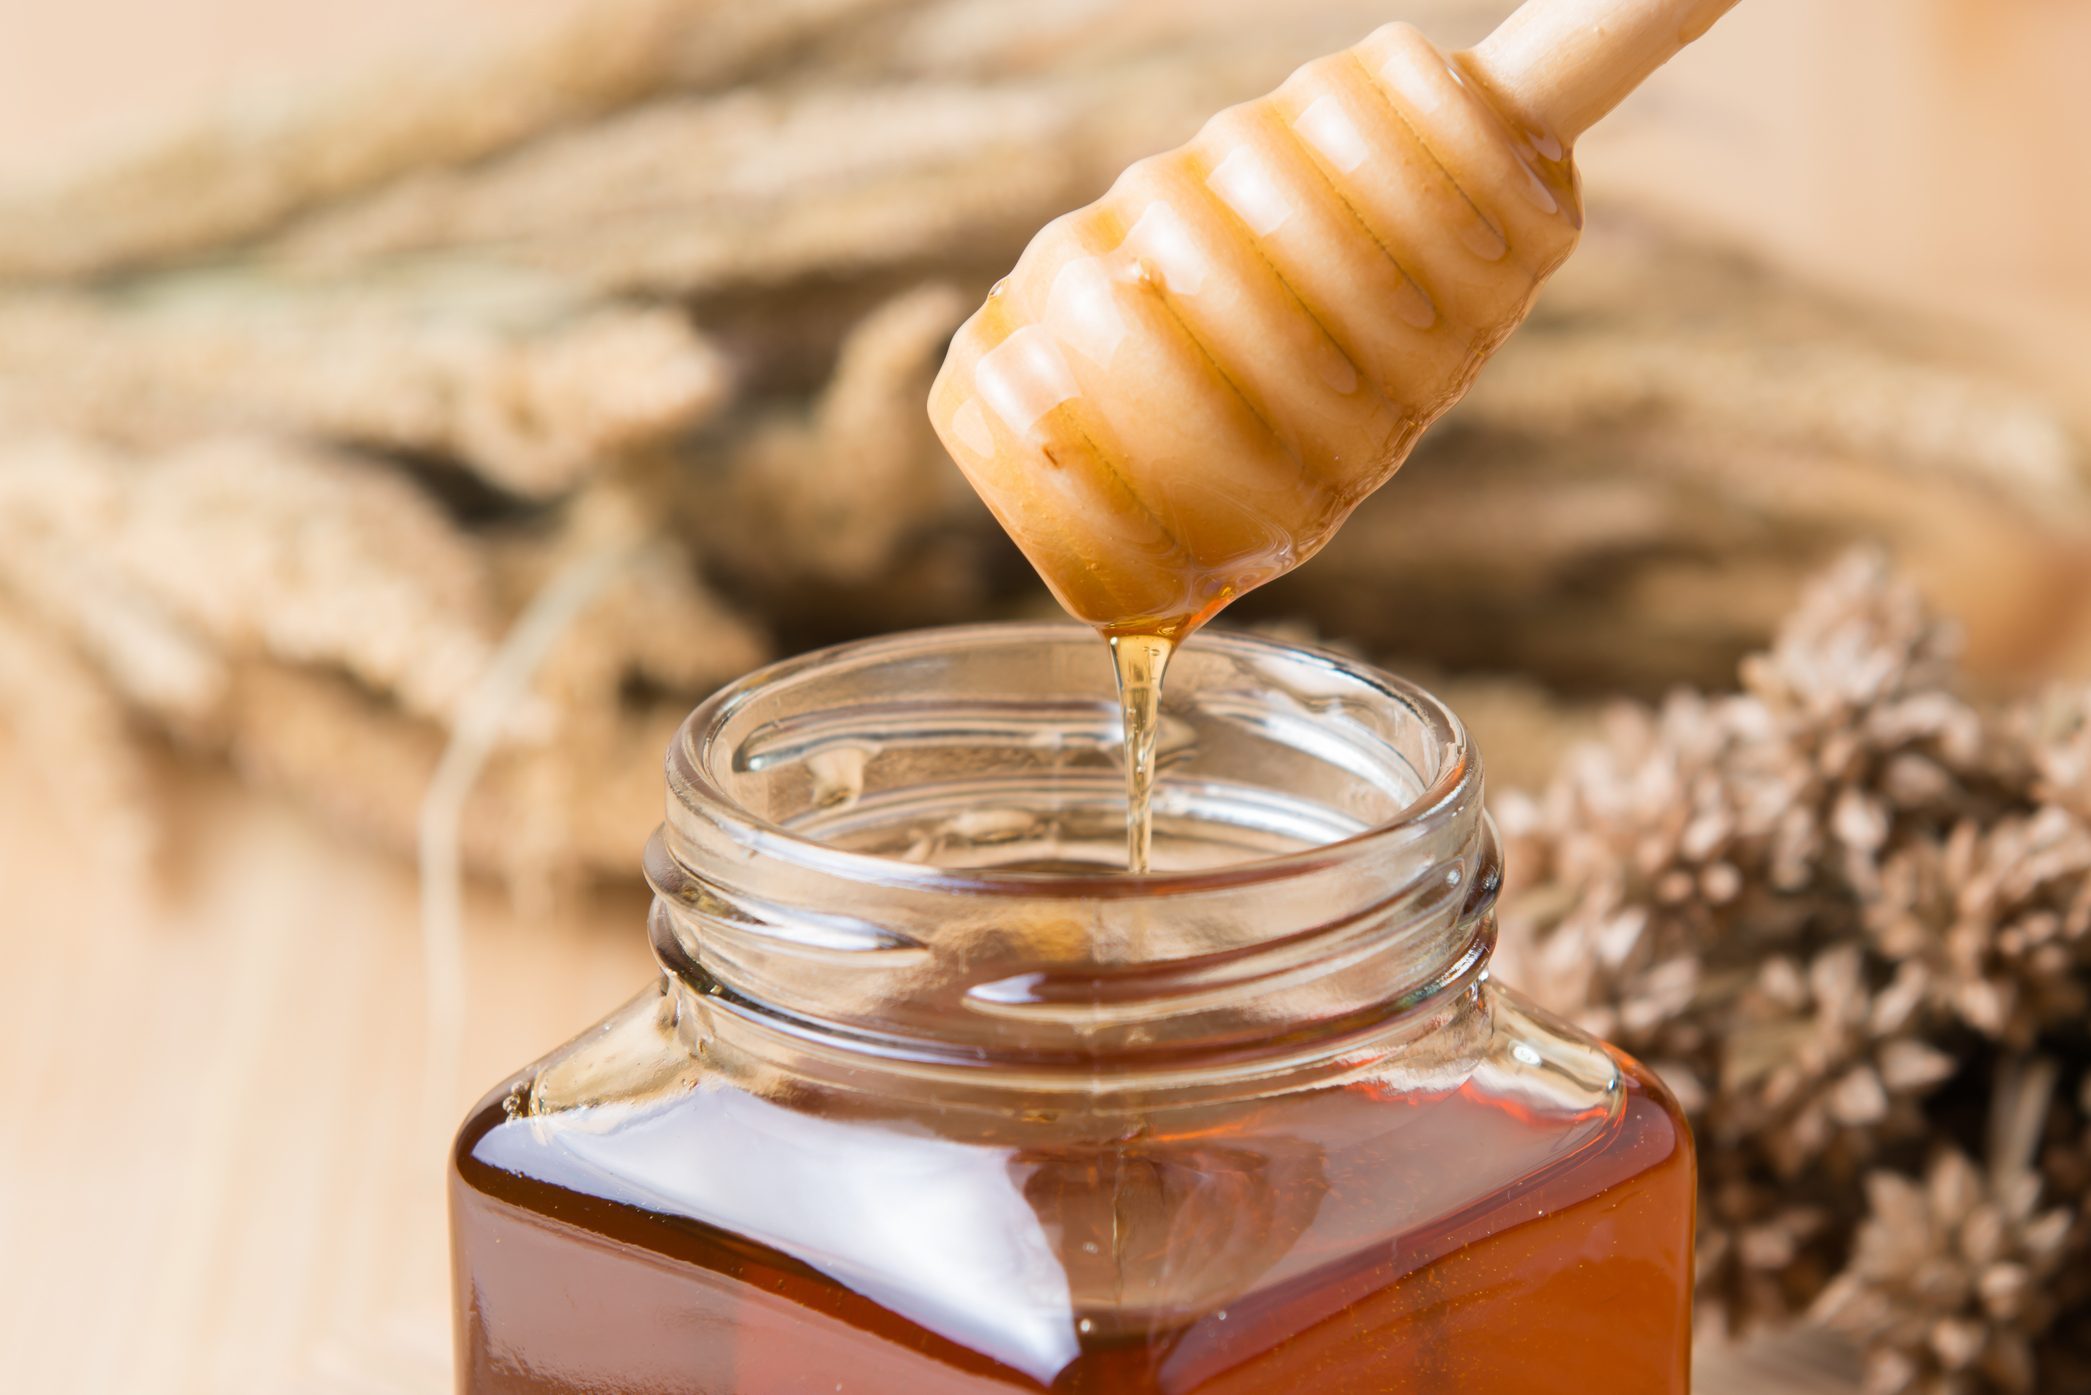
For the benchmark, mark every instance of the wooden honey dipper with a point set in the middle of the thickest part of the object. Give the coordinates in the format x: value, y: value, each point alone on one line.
x: 1183, y: 389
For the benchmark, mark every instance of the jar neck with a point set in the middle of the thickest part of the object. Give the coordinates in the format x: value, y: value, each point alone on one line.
x: 847, y: 881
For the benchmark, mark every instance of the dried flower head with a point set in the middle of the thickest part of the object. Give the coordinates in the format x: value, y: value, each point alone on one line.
x: 1826, y: 908
x: 1952, y: 1281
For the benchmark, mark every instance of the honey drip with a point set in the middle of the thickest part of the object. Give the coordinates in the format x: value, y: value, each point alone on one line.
x: 1141, y: 660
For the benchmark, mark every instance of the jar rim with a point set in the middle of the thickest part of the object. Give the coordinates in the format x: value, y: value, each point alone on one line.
x: 1445, y: 792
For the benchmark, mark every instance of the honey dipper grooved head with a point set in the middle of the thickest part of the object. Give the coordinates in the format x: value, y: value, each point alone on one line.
x: 1183, y: 389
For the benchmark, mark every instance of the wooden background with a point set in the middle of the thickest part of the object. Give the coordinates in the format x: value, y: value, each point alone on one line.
x: 221, y: 1162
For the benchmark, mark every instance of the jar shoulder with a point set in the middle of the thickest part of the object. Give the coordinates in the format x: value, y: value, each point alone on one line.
x: 631, y: 1059
x: 1418, y: 1135
x: 1573, y: 1066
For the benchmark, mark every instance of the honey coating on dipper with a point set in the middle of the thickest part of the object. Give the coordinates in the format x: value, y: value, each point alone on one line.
x: 1183, y: 389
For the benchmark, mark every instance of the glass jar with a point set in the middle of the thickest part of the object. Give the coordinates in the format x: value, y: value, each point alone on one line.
x: 930, y: 1099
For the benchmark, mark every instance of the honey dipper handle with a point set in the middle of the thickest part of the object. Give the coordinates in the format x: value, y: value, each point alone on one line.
x: 1559, y: 65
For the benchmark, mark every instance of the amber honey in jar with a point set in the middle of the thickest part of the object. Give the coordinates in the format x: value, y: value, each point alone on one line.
x: 932, y: 1098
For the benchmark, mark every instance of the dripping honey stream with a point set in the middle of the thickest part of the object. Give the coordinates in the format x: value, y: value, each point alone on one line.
x: 1141, y: 660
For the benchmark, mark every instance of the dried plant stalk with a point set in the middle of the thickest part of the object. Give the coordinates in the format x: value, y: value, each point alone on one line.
x: 250, y: 596
x: 1673, y: 485
x: 244, y: 172
x: 239, y: 176
x: 72, y: 732
x: 1837, y: 398
x: 247, y: 546
x: 1648, y: 558
x: 993, y: 38
x: 538, y: 816
x: 763, y: 186
x: 523, y: 383
x: 834, y: 491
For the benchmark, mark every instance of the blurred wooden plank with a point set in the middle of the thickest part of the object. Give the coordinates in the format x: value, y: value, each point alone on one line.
x: 224, y: 1167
